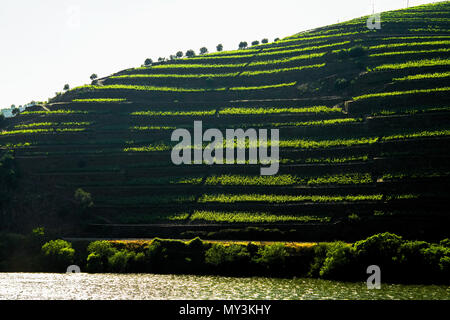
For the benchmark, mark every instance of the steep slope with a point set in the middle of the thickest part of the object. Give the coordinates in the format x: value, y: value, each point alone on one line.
x: 364, y: 136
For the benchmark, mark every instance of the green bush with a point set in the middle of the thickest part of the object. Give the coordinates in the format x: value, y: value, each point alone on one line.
x: 83, y: 199
x: 156, y: 256
x: 339, y: 262
x: 94, y: 263
x: 445, y: 243
x: 231, y: 259
x: 99, y: 253
x: 59, y: 254
x: 319, y: 256
x: 120, y: 261
x: 272, y: 257
x: 444, y: 265
x: 356, y: 52
x: 379, y: 248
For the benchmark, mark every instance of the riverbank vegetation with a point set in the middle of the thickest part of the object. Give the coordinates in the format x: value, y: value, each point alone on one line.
x: 400, y: 260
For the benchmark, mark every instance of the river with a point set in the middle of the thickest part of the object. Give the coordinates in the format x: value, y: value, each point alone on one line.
x: 83, y: 286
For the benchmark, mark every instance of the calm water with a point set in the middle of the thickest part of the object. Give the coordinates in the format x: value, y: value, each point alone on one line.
x: 84, y: 286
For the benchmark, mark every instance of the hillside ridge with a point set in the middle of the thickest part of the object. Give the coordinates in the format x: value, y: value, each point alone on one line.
x: 363, y: 117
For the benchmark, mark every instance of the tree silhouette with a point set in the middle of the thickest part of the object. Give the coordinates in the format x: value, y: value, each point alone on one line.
x: 190, y: 53
x: 243, y: 45
x: 93, y: 76
x: 265, y: 40
x: 203, y: 50
x: 219, y: 47
x: 148, y: 61
x: 179, y: 54
x: 255, y: 43
x: 66, y: 87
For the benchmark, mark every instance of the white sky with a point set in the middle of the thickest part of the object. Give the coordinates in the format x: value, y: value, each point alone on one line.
x: 45, y: 44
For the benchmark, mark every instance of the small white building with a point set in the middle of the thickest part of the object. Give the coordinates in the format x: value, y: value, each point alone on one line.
x: 7, y: 113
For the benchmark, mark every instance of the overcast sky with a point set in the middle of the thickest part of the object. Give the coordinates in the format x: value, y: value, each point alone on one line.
x: 48, y: 43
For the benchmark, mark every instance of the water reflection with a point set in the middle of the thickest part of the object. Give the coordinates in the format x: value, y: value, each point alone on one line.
x: 83, y: 286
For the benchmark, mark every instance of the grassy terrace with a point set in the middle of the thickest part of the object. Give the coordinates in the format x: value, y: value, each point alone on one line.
x: 436, y: 75
x: 50, y: 130
x: 152, y: 113
x: 315, y: 144
x: 286, y: 180
x: 410, y: 52
x: 252, y: 217
x: 411, y: 110
x: 58, y: 112
x: 400, y: 93
x: 217, y: 75
x: 318, y: 123
x: 51, y: 124
x: 272, y: 198
x: 118, y: 87
x: 100, y: 100
x: 395, y: 176
x: 410, y: 44
x: 413, y: 64
x: 255, y: 110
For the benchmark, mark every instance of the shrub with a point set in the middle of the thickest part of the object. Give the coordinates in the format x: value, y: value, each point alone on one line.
x: 382, y: 250
x: 353, y: 217
x: 83, y: 199
x: 59, y: 254
x: 195, y: 244
x: 255, y: 43
x: 94, y: 263
x: 243, y: 45
x: 120, y: 261
x: 445, y: 243
x: 156, y: 255
x: 384, y: 245
x: 272, y: 257
x: 230, y: 259
x: 319, y: 256
x: 36, y: 239
x: 265, y: 40
x: 357, y: 51
x: 435, y: 258
x: 444, y: 265
x: 99, y: 253
x: 338, y: 262
x: 190, y: 53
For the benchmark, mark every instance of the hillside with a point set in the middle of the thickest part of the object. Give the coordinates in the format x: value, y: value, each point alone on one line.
x: 364, y: 140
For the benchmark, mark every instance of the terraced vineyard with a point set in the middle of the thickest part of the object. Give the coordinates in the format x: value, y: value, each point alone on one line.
x: 364, y: 139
